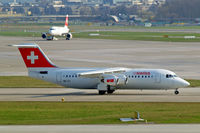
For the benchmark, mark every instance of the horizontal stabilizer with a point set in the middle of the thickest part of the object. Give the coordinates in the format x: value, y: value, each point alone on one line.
x: 24, y: 45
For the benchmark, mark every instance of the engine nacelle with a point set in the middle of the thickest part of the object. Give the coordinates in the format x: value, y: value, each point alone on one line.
x: 69, y: 36
x: 44, y: 35
x: 114, y: 80
x: 122, y: 79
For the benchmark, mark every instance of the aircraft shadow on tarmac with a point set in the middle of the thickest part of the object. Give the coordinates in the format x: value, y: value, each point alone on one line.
x: 36, y: 40
x: 95, y: 94
x: 82, y: 93
x: 42, y: 40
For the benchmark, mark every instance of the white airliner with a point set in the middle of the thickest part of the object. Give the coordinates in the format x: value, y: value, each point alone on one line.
x: 58, y: 31
x: 103, y: 79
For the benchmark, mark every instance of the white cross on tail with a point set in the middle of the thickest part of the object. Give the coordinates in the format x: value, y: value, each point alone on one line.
x: 32, y: 57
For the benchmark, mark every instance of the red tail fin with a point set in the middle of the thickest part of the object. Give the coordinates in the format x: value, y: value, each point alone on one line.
x: 33, y: 56
x: 66, y: 20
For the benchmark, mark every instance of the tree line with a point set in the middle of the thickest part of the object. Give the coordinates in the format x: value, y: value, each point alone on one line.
x: 178, y: 9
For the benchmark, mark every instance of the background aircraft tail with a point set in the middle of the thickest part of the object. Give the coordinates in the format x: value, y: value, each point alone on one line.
x: 33, y: 56
x: 66, y: 21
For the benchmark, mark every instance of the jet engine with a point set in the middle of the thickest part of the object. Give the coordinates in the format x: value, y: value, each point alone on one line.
x: 44, y: 35
x: 69, y: 36
x: 115, y: 80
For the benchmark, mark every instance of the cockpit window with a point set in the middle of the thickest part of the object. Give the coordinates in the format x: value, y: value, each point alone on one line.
x: 52, y: 29
x: 170, y: 76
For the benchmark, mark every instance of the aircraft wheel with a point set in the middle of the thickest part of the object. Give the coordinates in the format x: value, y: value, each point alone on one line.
x: 110, y: 91
x: 102, y: 92
x: 176, y: 92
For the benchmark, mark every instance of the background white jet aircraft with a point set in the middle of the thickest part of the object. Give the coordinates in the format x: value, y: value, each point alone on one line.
x: 102, y: 79
x: 58, y: 31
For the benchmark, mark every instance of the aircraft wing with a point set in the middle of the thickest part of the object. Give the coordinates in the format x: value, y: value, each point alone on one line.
x: 98, y: 73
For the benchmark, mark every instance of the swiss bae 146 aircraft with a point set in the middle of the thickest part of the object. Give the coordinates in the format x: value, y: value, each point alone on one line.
x: 103, y: 79
x: 58, y: 31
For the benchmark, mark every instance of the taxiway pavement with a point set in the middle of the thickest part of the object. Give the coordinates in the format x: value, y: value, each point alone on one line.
x: 56, y: 94
x: 148, y: 128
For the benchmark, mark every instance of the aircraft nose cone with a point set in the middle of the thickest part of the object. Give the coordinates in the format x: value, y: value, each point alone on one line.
x: 181, y: 83
x: 184, y: 83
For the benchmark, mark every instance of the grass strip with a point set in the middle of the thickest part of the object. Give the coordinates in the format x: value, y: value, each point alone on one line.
x: 142, y: 36
x: 20, y: 34
x: 24, y: 82
x: 194, y: 82
x: 17, y: 113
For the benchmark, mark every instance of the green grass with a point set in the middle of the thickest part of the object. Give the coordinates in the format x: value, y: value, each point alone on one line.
x: 28, y: 82
x: 143, y: 36
x: 20, y: 34
x: 24, y: 82
x: 95, y: 112
x: 194, y: 83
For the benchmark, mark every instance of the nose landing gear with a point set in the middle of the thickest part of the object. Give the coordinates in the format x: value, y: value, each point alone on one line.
x: 176, y: 92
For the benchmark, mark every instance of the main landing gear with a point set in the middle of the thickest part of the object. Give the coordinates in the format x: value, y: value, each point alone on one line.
x: 104, y: 92
x: 176, y: 92
x: 110, y: 91
x: 107, y: 89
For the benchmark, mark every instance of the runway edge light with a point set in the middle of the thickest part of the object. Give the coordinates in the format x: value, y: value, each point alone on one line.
x: 63, y: 99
